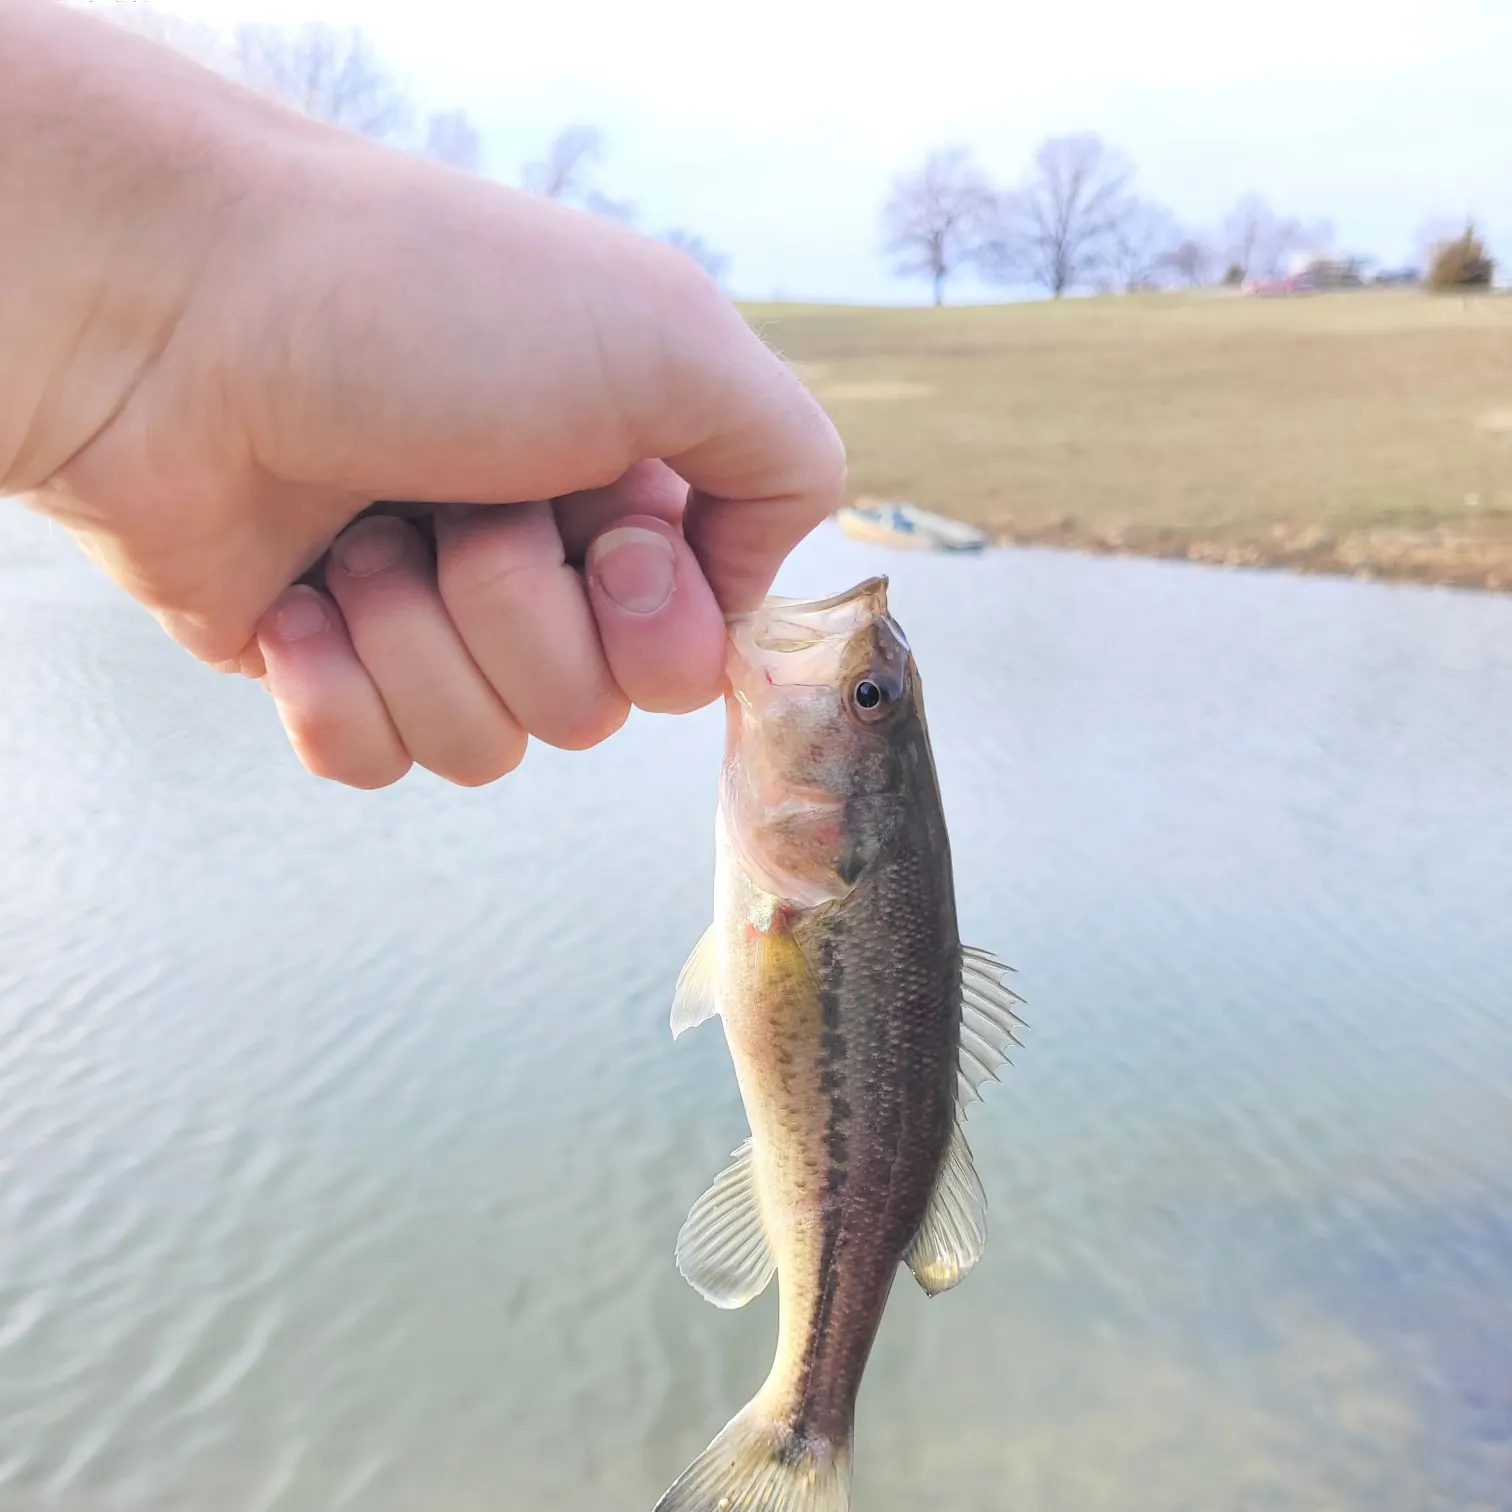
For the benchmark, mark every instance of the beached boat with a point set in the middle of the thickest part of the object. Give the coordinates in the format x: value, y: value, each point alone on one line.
x: 892, y: 523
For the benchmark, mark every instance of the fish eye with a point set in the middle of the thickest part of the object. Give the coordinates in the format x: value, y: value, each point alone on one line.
x: 870, y: 697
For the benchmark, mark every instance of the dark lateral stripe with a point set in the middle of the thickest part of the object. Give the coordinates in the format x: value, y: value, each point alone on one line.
x: 831, y: 976
x: 832, y: 1050
x: 837, y: 1132
x: 819, y: 1329
x: 829, y: 1008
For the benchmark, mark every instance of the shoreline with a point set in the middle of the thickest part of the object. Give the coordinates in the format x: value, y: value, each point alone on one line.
x: 1437, y: 557
x: 1364, y: 435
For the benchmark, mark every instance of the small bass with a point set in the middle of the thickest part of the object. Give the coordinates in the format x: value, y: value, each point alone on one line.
x: 859, y: 1026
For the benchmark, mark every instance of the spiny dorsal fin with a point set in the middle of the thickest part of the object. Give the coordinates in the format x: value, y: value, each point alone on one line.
x: 987, y: 1023
x: 722, y: 1249
x: 696, y: 997
x: 954, y: 1231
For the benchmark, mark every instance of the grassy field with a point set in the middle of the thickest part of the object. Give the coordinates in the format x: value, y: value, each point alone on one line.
x: 1360, y: 432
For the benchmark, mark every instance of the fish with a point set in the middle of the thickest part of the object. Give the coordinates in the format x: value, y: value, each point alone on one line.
x: 859, y: 1026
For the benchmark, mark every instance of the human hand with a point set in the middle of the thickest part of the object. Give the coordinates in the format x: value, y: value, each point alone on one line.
x: 327, y: 323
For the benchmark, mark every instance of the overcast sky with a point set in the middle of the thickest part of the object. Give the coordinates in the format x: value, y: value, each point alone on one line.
x: 773, y: 129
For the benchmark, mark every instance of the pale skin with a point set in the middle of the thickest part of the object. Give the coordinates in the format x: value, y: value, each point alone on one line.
x: 226, y: 331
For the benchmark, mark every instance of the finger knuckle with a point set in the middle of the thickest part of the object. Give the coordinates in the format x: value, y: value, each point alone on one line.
x: 519, y: 559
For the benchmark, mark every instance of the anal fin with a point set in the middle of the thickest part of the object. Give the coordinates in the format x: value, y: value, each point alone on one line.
x: 722, y: 1248
x: 954, y: 1231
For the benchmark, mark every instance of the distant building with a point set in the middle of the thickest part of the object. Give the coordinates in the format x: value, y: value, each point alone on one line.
x: 1313, y: 273
x: 1320, y: 271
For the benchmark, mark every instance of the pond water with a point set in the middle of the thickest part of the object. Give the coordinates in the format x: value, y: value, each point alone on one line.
x: 343, y: 1144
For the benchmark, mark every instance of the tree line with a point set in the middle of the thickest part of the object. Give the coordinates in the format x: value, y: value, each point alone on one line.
x: 1075, y: 221
x: 336, y: 75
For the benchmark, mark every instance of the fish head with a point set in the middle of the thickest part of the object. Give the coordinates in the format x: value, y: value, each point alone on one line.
x: 823, y: 703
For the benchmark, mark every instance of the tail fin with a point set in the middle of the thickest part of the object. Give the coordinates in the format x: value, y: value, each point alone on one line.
x: 760, y: 1465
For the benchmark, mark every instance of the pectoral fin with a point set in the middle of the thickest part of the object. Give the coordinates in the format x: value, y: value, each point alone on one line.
x: 954, y: 1231
x: 695, y: 998
x: 722, y: 1249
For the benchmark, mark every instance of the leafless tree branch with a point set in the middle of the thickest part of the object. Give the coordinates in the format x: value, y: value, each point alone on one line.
x: 451, y: 138
x: 1258, y: 243
x: 564, y: 171
x: 1191, y: 262
x: 622, y: 210
x: 713, y: 263
x: 195, y: 39
x: 934, y: 219
x: 1057, y: 230
x: 324, y: 72
x: 1140, y: 243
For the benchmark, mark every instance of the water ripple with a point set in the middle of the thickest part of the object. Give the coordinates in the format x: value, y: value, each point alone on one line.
x: 343, y: 1144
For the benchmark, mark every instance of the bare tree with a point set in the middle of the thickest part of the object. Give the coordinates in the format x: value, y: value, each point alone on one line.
x: 1058, y: 229
x: 1258, y: 243
x: 621, y: 210
x: 564, y: 172
x: 1192, y: 262
x: 713, y: 263
x: 334, y: 76
x: 934, y: 219
x: 324, y: 72
x: 1139, y: 246
x: 195, y: 39
x: 451, y: 138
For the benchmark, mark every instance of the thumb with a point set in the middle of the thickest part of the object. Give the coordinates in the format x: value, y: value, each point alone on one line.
x: 771, y: 466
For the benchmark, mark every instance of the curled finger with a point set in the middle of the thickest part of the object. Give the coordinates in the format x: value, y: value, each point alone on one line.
x: 335, y: 718
x: 448, y: 716
x: 524, y: 615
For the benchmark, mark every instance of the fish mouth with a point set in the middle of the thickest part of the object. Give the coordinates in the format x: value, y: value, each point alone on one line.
x: 873, y: 588
x: 787, y: 625
x: 872, y: 591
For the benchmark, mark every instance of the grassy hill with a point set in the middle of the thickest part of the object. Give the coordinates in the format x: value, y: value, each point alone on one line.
x: 1364, y: 432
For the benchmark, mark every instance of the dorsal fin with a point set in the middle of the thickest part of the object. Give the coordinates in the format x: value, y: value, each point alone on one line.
x: 954, y: 1231
x: 988, y: 1022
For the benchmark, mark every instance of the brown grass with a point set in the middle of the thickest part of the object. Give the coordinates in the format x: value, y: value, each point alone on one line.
x: 1366, y: 432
